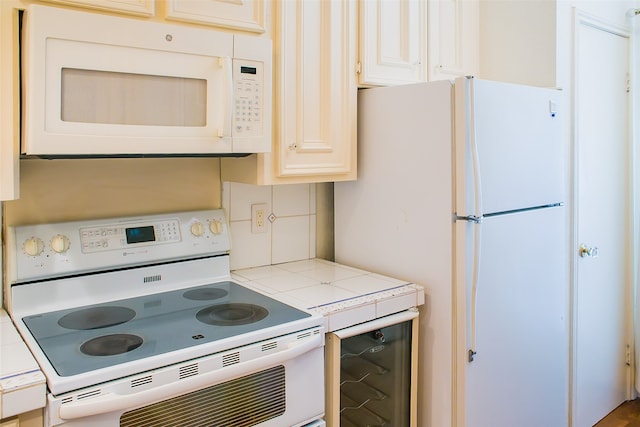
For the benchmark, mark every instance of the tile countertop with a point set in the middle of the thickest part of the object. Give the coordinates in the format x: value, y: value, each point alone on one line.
x: 22, y: 384
x: 345, y: 295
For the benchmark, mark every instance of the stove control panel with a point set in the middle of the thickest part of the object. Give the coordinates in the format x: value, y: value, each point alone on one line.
x: 109, y: 237
x: 49, y: 250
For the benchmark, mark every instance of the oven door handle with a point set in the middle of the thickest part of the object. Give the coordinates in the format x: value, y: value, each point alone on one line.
x: 112, y: 402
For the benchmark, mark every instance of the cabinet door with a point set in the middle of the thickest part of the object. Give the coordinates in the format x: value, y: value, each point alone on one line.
x: 316, y: 88
x: 453, y: 38
x: 392, y: 42
x: 9, y: 101
x: 246, y: 15
x: 136, y: 7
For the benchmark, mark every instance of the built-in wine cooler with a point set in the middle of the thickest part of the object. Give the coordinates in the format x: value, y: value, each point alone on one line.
x: 371, y: 373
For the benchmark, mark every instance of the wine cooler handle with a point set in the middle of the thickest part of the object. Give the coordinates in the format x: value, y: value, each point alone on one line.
x: 380, y: 323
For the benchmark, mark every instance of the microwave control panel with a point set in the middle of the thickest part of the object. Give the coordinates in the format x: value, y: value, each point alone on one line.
x: 248, y: 89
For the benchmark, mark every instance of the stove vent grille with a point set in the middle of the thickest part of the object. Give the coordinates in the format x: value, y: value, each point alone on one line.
x: 303, y: 336
x: 230, y: 359
x: 242, y: 402
x: 269, y: 346
x: 156, y: 278
x: 88, y: 394
x: 189, y: 370
x: 137, y: 382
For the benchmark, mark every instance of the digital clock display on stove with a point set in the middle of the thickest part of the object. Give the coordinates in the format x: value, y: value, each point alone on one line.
x: 140, y: 234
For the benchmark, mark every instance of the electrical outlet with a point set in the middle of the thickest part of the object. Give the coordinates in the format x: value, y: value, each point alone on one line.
x: 259, y: 218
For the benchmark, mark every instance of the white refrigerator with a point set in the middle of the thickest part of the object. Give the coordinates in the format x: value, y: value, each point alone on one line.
x: 461, y: 190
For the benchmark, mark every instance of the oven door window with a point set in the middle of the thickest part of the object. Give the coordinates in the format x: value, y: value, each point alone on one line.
x: 263, y: 398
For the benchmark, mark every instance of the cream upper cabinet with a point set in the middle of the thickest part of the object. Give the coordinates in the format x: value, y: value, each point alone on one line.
x: 453, y: 38
x: 393, y: 42
x: 315, y: 92
x: 136, y: 7
x: 409, y: 41
x: 248, y: 15
x: 316, y: 108
x: 9, y: 101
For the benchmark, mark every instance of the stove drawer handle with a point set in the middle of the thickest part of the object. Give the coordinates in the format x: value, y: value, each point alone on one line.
x: 111, y: 402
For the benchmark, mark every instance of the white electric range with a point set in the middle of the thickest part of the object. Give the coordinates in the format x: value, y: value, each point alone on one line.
x: 137, y: 321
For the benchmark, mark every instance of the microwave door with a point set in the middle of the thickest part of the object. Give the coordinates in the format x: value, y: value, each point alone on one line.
x: 127, y: 105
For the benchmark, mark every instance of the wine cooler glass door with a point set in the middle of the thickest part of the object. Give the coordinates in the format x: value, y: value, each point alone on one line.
x: 376, y: 371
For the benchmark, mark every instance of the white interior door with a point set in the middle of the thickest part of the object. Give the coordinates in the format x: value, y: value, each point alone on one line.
x: 602, y: 220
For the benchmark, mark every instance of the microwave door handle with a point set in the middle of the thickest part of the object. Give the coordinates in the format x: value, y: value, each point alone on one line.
x: 227, y: 67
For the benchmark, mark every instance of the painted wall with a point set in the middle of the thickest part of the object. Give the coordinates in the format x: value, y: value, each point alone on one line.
x: 63, y: 190
x: 530, y: 41
x: 518, y: 41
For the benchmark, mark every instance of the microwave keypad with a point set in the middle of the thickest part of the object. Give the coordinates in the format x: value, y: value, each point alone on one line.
x: 248, y: 108
x: 248, y: 104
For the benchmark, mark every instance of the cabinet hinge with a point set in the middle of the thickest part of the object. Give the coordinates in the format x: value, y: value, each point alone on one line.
x: 358, y: 67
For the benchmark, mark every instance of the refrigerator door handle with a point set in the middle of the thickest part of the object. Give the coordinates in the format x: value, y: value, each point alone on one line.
x: 469, y: 200
x: 475, y: 165
x: 477, y: 234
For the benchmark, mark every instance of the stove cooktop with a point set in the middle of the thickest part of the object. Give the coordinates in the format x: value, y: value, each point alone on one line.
x: 84, y: 339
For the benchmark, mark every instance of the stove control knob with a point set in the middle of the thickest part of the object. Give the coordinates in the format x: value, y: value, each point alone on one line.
x: 60, y: 243
x: 33, y: 246
x: 197, y: 229
x: 215, y: 226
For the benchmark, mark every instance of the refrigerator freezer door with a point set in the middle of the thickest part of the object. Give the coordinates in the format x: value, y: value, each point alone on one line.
x: 509, y: 151
x: 518, y: 314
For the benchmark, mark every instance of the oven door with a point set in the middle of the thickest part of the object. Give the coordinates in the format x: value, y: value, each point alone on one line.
x: 282, y: 389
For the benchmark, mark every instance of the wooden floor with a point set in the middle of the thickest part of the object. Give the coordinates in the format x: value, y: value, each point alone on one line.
x: 625, y: 415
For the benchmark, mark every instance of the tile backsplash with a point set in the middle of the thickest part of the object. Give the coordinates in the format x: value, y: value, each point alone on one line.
x: 290, y: 232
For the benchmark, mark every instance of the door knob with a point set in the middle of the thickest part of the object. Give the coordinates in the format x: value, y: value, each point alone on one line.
x: 587, y: 251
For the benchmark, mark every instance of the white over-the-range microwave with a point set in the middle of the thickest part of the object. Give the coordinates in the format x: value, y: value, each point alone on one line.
x: 99, y: 85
